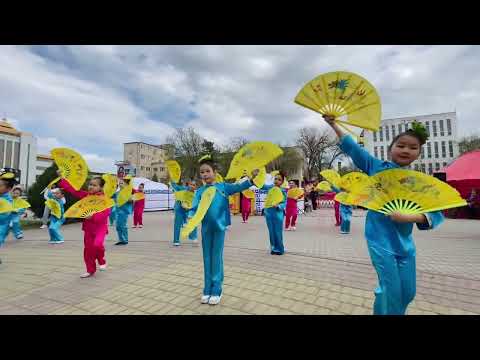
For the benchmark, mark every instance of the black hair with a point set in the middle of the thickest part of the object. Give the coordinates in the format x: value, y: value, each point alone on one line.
x: 9, y: 183
x: 16, y: 188
x: 418, y: 131
x: 282, y: 174
x: 210, y: 163
x: 142, y: 184
x: 102, y: 180
x: 126, y: 181
x: 60, y: 190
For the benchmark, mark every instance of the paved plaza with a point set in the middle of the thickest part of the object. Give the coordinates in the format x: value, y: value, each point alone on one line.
x: 322, y: 272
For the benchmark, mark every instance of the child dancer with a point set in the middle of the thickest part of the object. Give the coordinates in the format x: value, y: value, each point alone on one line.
x: 7, y: 182
x: 389, y: 238
x: 95, y: 227
x: 214, y: 225
x: 345, y: 214
x: 16, y: 227
x: 292, y: 209
x: 138, y: 208
x: 56, y: 236
x: 122, y: 215
x: 113, y: 214
x: 246, y: 208
x: 274, y: 218
x: 181, y: 214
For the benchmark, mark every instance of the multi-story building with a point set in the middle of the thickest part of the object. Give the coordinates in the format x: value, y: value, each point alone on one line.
x: 440, y: 149
x: 145, y: 159
x: 43, y: 162
x: 18, y: 150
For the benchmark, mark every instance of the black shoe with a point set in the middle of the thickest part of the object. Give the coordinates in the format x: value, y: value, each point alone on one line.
x: 121, y: 243
x: 272, y: 253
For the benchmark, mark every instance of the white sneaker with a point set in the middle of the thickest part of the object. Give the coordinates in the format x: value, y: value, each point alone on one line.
x: 176, y: 244
x: 86, y: 275
x: 195, y: 241
x: 134, y: 227
x: 214, y: 300
x: 343, y: 232
x: 205, y: 299
x: 140, y: 226
x: 102, y: 267
x: 43, y: 226
x: 287, y: 229
x: 294, y: 228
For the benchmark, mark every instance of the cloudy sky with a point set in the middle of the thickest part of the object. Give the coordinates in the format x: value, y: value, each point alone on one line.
x: 95, y: 98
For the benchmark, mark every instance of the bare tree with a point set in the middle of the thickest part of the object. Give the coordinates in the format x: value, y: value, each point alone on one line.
x: 319, y: 150
x: 188, y: 146
x: 289, y: 162
x: 469, y: 143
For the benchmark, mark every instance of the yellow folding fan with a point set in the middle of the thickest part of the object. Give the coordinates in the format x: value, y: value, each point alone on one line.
x: 20, y: 203
x: 274, y: 197
x: 72, y: 166
x: 54, y: 207
x: 295, y: 193
x: 174, y: 170
x: 5, y: 206
x: 125, y: 195
x: 110, y: 184
x: 203, y: 206
x: 88, y: 206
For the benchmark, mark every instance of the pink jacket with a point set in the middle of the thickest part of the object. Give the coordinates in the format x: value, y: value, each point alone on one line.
x: 98, y: 222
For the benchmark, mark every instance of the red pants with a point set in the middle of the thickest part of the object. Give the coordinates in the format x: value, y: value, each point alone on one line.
x: 94, y: 250
x: 138, y: 215
x: 246, y: 208
x: 337, y: 213
x: 291, y: 217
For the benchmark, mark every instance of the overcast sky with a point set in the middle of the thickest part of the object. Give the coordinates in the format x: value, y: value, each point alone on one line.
x: 95, y: 98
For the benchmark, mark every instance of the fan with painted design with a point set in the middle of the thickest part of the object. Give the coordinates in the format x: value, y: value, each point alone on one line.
x: 203, y: 206
x: 72, y: 166
x: 274, y: 197
x: 404, y: 191
x: 54, y: 207
x: 110, y: 184
x: 350, y: 98
x: 174, y: 170
x: 89, y: 206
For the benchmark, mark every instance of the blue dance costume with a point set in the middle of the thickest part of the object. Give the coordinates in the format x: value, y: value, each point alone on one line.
x: 274, y: 218
x: 180, y: 216
x: 113, y: 213
x: 16, y: 227
x: 390, y: 244
x: 56, y: 223
x: 5, y: 219
x: 122, y: 218
x: 345, y: 215
x: 213, y: 233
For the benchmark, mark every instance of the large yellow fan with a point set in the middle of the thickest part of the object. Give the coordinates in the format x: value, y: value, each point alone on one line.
x: 54, y: 207
x: 323, y: 186
x: 219, y: 178
x: 344, y: 198
x: 72, y: 166
x: 174, y: 170
x: 124, y: 195
x: 285, y: 184
x: 295, y: 193
x: 253, y: 156
x: 261, y: 177
x: 110, y: 184
x: 185, y: 197
x: 274, y: 197
x: 20, y: 203
x: 203, y: 206
x: 5, y: 206
x: 274, y: 173
x: 350, y: 98
x: 352, y: 178
x: 138, y: 196
x: 250, y: 194
x: 332, y: 177
x: 405, y: 191
x: 88, y: 206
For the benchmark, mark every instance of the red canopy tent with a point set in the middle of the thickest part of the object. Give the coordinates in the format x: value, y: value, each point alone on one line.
x: 464, y: 175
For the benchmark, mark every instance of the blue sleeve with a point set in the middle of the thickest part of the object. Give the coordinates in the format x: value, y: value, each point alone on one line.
x: 283, y: 204
x: 177, y: 187
x: 195, y: 202
x: 360, y: 157
x: 231, y: 189
x: 335, y: 189
x: 434, y: 219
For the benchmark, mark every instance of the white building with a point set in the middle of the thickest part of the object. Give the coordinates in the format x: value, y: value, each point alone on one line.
x: 43, y: 162
x: 440, y: 149
x: 18, y: 150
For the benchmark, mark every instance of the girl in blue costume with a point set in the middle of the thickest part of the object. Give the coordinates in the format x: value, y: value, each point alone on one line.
x: 181, y: 214
x: 274, y: 217
x: 345, y: 215
x: 17, y: 214
x: 7, y: 182
x: 113, y: 215
x: 122, y: 215
x: 56, y: 236
x: 389, y: 238
x: 213, y: 228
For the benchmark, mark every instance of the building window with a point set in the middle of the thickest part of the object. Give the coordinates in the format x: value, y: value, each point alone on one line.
x: 387, y: 133
x: 429, y: 149
x: 436, y: 150
x: 444, y: 164
x: 142, y: 156
x: 2, y: 152
x: 422, y: 152
x: 449, y: 127
x: 434, y: 125
x: 148, y: 169
x: 442, y: 131
x: 427, y: 125
x: 375, y: 151
x: 416, y: 167
x: 381, y: 153
x: 423, y: 168
x: 437, y: 166
x: 16, y: 155
x: 155, y: 169
x: 393, y: 131
x: 381, y: 133
x: 375, y: 136
x: 430, y: 169
x: 142, y: 168
x: 41, y: 168
x: 444, y: 149
x: 8, y: 155
x: 399, y: 128
x: 162, y: 169
x: 450, y: 148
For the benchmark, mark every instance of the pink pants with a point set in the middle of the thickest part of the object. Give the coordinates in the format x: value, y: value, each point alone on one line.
x: 94, y: 250
x: 246, y: 208
x: 337, y: 213
x: 138, y: 215
x: 290, y: 218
